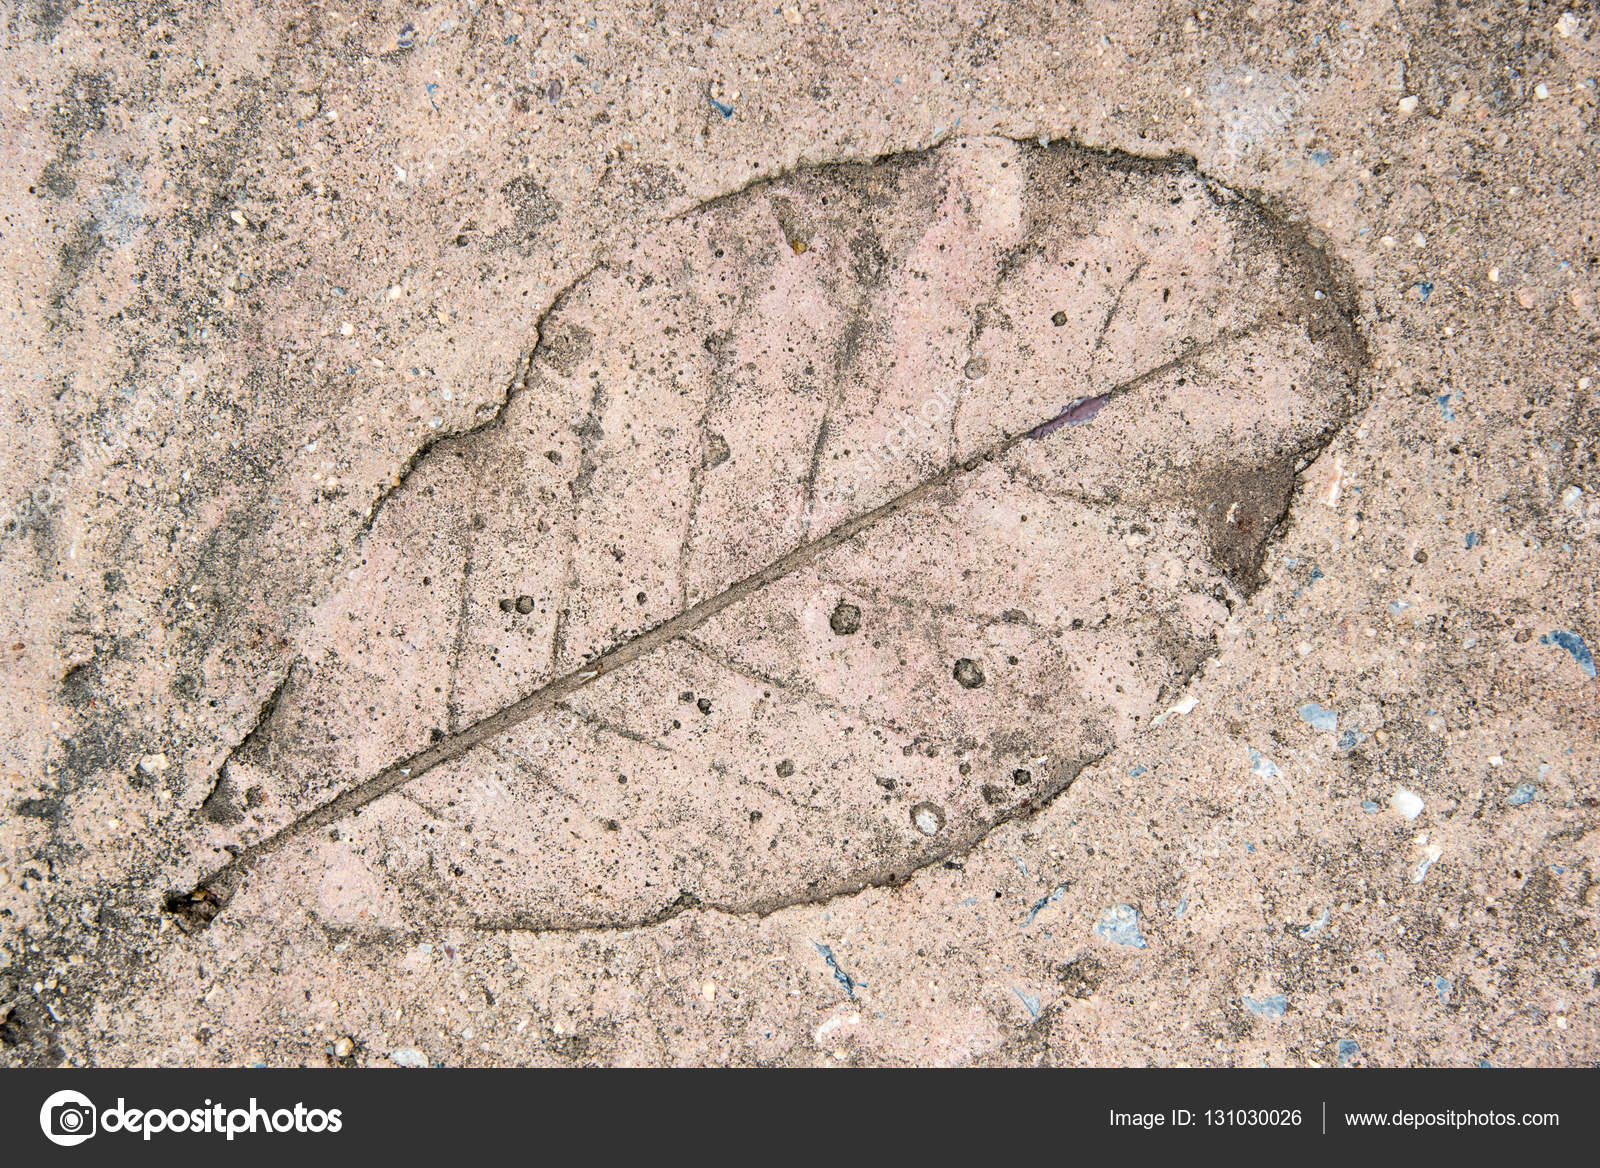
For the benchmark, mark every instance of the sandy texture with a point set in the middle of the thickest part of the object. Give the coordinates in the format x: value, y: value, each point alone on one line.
x: 826, y: 534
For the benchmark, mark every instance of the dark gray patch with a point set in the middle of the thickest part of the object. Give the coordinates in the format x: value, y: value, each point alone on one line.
x: 565, y: 350
x: 1081, y: 977
x: 871, y: 262
x: 77, y: 253
x: 48, y: 15
x: 717, y: 451
x: 38, y: 808
x: 219, y: 806
x: 531, y: 209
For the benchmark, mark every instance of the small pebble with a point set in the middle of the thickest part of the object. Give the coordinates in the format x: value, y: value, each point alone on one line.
x: 1572, y: 643
x: 1120, y: 923
x: 1271, y: 1006
x: 343, y: 1047
x: 1317, y: 925
x: 1182, y: 706
x: 969, y: 673
x: 1407, y: 803
x: 927, y: 818
x: 846, y: 619
x: 785, y: 768
x: 1319, y: 717
x: 524, y: 605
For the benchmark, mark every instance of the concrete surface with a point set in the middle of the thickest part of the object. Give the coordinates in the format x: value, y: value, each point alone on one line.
x: 819, y: 534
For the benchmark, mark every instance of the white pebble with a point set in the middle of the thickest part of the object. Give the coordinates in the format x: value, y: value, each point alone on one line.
x: 1406, y: 803
x: 1408, y: 105
x: 1182, y: 707
x: 1430, y: 856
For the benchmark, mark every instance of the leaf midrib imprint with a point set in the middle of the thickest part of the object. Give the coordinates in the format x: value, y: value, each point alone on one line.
x: 213, y: 891
x: 196, y: 909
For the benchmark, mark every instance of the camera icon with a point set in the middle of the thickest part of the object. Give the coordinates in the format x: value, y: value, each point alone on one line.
x: 67, y: 1118
x: 72, y: 1119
